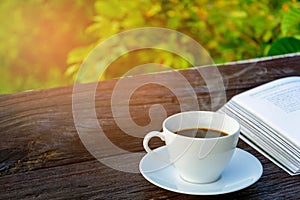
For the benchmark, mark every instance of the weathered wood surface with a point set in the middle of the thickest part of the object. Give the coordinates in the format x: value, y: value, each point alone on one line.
x: 41, y: 155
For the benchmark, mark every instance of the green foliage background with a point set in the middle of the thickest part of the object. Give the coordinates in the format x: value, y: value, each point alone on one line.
x: 43, y: 42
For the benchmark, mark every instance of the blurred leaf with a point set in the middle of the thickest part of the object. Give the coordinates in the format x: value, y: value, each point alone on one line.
x: 110, y: 9
x: 284, y: 46
x: 239, y: 14
x: 291, y: 21
x: 72, y: 69
x: 79, y: 54
x: 267, y: 36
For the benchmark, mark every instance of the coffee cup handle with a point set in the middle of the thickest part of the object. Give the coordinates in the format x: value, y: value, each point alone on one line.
x: 148, y: 137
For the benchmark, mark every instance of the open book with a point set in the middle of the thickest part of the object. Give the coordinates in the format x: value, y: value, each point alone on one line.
x: 270, y: 120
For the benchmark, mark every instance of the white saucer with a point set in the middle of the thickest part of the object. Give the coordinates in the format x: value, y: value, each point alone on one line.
x: 243, y: 170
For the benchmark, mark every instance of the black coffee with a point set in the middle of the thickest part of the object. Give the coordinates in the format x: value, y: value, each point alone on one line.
x: 201, y: 133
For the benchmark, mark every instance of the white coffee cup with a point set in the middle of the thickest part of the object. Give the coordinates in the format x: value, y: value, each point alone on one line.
x: 198, y: 160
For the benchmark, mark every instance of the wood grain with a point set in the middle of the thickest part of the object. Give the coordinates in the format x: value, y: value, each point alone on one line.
x: 42, y: 156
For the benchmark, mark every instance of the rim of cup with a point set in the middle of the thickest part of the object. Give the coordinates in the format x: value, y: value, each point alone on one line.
x: 232, y: 133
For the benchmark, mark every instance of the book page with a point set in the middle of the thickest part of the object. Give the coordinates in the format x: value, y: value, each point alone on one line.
x: 276, y: 103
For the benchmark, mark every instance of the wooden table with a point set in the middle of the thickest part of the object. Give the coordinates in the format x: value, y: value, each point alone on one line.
x: 43, y: 157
